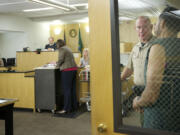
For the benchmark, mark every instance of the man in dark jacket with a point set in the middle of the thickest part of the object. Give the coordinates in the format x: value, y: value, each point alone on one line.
x: 51, y: 46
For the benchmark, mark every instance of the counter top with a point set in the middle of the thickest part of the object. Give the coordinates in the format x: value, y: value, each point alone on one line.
x: 13, y: 71
x: 4, y: 102
x: 48, y: 67
x: 41, y: 51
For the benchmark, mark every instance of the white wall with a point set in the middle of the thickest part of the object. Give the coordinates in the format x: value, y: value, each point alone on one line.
x: 33, y: 34
x: 12, y: 42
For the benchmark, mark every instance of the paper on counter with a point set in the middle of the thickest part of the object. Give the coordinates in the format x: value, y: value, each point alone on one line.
x: 47, y: 66
x: 2, y: 101
x: 76, y: 55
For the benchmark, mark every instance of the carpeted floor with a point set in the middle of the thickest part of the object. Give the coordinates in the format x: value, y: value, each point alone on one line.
x: 29, y: 123
x: 73, y: 114
x: 132, y: 119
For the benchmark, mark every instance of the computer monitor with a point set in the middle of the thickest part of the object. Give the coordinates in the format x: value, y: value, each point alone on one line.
x: 4, y: 61
x: 10, y: 62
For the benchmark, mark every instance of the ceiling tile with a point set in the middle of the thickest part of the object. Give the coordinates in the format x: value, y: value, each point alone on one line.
x: 11, y: 1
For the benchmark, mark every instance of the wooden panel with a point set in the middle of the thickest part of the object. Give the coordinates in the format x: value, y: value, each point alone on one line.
x: 126, y: 47
x: 15, y: 85
x: 84, y: 34
x: 128, y: 32
x: 30, y: 60
x: 81, y: 87
x: 59, y: 36
x: 6, y: 68
x: 72, y: 42
x: 101, y: 66
x: 29, y: 74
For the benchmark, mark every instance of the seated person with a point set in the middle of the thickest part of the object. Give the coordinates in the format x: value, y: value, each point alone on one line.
x: 1, y: 63
x: 51, y: 46
x: 84, y: 61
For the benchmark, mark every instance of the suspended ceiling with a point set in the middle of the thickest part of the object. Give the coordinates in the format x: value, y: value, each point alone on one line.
x: 127, y: 8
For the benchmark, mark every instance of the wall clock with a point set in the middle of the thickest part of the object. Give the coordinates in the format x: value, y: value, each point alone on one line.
x: 73, y: 33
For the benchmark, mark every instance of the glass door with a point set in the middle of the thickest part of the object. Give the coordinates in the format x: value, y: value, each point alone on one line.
x: 146, y: 65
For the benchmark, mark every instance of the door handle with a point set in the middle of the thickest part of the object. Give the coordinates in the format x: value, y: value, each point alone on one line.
x: 102, y: 128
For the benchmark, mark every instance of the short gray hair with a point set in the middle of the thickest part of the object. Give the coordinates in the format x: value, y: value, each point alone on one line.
x: 145, y: 18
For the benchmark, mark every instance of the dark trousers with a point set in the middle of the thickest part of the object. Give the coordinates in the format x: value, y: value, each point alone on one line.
x: 68, y: 83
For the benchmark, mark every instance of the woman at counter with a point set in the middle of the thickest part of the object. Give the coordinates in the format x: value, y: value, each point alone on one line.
x: 68, y: 68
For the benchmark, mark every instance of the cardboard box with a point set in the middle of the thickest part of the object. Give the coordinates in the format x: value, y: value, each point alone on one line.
x: 125, y: 47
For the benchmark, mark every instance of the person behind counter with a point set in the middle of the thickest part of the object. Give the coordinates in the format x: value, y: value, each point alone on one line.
x: 85, y: 59
x: 68, y: 68
x: 51, y: 46
x: 1, y: 63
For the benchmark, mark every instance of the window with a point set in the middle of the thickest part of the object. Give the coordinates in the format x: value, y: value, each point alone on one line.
x: 146, y: 66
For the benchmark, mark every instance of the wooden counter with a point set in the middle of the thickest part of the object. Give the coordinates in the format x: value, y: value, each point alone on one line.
x: 16, y: 86
x: 20, y: 85
x: 82, y: 88
x: 29, y: 60
x: 6, y: 68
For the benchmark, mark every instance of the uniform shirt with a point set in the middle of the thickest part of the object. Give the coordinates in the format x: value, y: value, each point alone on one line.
x: 51, y: 46
x: 137, y: 59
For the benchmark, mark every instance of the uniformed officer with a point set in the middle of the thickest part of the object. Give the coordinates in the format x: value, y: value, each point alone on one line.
x: 138, y: 54
x: 51, y: 46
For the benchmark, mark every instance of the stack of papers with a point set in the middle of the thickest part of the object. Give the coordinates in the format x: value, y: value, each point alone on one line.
x: 47, y: 66
x: 2, y: 101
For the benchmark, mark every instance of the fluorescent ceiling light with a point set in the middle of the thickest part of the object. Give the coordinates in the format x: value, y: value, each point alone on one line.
x: 37, y: 9
x: 55, y: 5
x: 132, y: 4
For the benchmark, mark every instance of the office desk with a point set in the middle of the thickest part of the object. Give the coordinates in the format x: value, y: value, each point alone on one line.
x: 6, y: 113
